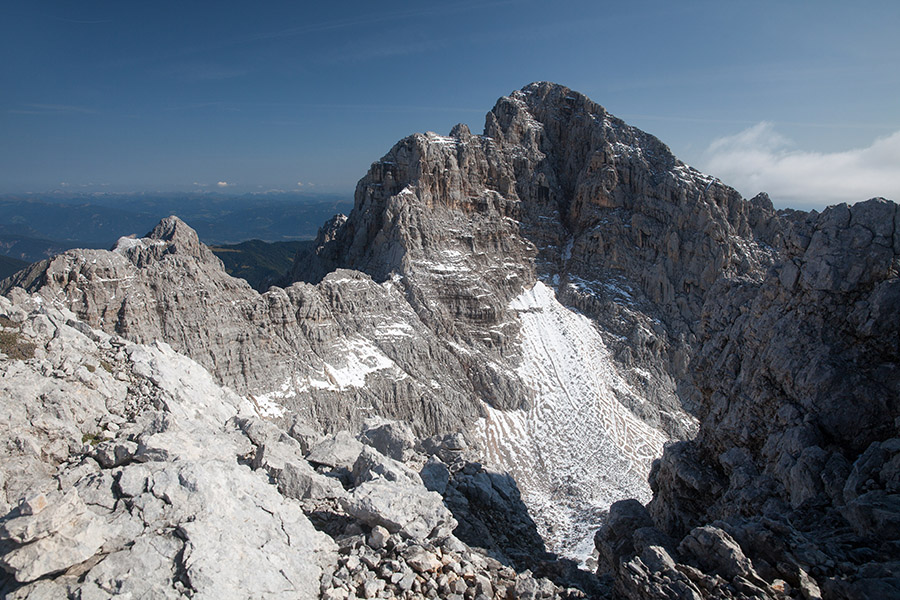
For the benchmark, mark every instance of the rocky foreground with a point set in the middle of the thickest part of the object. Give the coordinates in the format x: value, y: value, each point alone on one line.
x: 133, y: 474
x: 554, y: 298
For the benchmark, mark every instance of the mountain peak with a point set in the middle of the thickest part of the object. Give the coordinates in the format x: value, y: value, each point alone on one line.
x: 171, y: 229
x: 550, y: 91
x: 552, y: 167
x: 552, y: 299
x: 170, y: 236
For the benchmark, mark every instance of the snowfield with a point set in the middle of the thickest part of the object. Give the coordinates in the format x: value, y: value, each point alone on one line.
x: 575, y: 449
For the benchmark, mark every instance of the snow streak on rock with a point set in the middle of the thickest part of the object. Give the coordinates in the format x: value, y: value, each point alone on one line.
x: 576, y: 449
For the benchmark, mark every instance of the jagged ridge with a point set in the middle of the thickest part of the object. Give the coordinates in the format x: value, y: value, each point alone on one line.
x: 686, y: 283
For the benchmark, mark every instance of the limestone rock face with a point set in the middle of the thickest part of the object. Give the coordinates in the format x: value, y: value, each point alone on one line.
x: 556, y: 192
x: 557, y: 189
x: 60, y: 533
x: 556, y: 298
x: 391, y: 438
x: 174, y: 514
x: 346, y: 347
x: 451, y: 231
x: 799, y: 380
x: 448, y: 299
x: 400, y: 507
x: 208, y: 499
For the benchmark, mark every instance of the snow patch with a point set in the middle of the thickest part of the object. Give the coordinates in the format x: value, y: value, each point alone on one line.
x: 394, y: 330
x: 619, y: 291
x: 576, y: 449
x: 267, y: 407
x: 441, y: 139
x: 127, y: 242
x: 361, y: 357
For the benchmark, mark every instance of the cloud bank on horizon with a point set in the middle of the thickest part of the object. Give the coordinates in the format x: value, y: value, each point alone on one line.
x: 759, y: 159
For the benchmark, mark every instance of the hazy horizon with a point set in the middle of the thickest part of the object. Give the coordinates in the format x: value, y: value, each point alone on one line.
x: 795, y: 100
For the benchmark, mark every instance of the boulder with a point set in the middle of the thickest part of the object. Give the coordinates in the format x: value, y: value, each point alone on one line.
x: 338, y: 451
x: 391, y: 438
x: 49, y: 537
x: 875, y: 515
x: 716, y: 551
x: 614, y: 539
x: 403, y: 508
x: 435, y: 475
x: 298, y: 480
x: 371, y: 464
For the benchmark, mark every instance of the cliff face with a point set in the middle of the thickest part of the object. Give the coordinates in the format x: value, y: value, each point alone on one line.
x: 127, y: 471
x: 339, y: 350
x: 569, y: 295
x: 791, y: 486
x: 121, y: 474
x: 556, y: 189
x: 455, y: 228
x: 424, y: 304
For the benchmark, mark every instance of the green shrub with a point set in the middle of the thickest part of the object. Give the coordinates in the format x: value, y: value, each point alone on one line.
x: 13, y: 347
x: 93, y: 438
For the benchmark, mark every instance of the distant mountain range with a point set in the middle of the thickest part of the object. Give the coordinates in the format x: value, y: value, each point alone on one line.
x: 8, y: 266
x: 34, y: 228
x: 260, y: 263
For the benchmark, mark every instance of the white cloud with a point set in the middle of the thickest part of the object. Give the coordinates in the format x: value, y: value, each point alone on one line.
x: 759, y: 159
x: 222, y: 184
x: 299, y: 184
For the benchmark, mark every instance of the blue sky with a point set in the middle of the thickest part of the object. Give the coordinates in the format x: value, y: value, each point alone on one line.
x: 184, y: 95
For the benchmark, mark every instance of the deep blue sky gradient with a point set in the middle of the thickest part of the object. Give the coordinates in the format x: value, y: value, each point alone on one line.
x: 126, y: 95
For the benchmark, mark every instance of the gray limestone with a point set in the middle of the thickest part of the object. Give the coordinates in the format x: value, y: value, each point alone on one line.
x: 63, y: 533
x: 339, y: 451
x: 170, y: 432
x: 789, y: 489
x: 391, y: 438
x: 163, y: 506
x: 370, y: 464
x: 400, y: 507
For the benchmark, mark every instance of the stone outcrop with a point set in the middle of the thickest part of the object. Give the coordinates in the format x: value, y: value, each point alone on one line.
x: 129, y: 472
x: 554, y: 298
x: 50, y: 535
x: 451, y: 230
x: 556, y: 188
x: 349, y: 347
x: 412, y: 307
x: 790, y: 488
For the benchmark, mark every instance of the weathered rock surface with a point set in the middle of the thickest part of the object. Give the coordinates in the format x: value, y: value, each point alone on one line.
x: 400, y: 507
x: 391, y: 438
x: 129, y: 472
x: 790, y: 488
x: 59, y: 533
x: 553, y: 296
x: 347, y: 347
x: 447, y: 236
x: 557, y: 190
x: 173, y: 514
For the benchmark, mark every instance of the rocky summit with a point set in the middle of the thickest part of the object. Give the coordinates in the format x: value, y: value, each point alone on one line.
x: 550, y: 346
